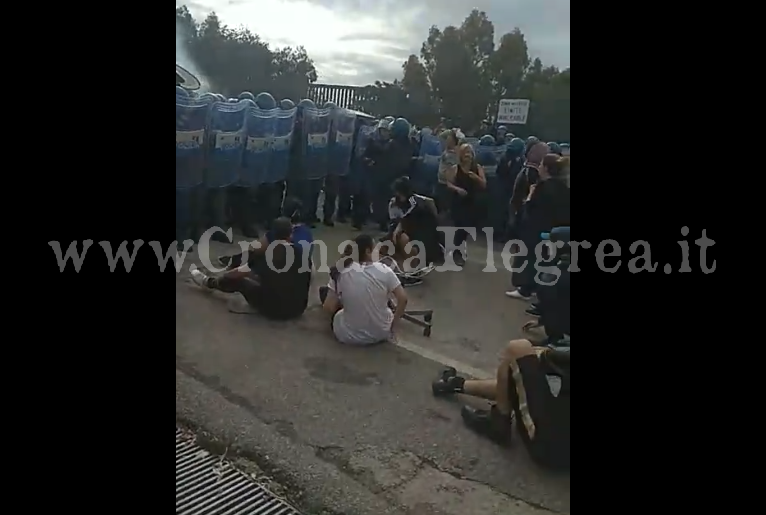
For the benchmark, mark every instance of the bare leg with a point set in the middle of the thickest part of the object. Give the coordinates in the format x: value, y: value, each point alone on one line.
x: 497, y: 390
x: 483, y: 388
x: 515, y: 350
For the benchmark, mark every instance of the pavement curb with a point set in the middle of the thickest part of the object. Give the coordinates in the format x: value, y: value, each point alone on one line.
x: 316, y: 486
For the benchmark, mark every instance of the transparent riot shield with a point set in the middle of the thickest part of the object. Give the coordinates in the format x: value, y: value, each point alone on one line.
x: 227, y: 143
x: 191, y: 119
x: 260, y: 132
x: 284, y: 124
x: 341, y: 142
x: 316, y: 126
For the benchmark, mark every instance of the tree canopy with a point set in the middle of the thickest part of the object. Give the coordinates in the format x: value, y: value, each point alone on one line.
x: 460, y: 74
x: 236, y: 60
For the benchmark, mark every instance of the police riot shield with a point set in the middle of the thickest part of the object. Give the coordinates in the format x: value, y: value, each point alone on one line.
x: 260, y: 126
x: 427, y: 175
x: 284, y: 124
x: 316, y: 126
x: 341, y: 141
x: 227, y: 143
x: 191, y: 119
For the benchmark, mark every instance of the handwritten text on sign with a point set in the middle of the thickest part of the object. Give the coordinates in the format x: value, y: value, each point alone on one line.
x: 513, y: 110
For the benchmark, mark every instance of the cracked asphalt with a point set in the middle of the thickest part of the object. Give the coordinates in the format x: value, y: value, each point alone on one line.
x: 356, y: 431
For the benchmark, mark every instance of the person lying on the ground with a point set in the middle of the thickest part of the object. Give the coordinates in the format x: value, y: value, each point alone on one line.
x: 521, y: 391
x: 413, y: 219
x: 301, y: 235
x: 276, y: 288
x: 357, y: 298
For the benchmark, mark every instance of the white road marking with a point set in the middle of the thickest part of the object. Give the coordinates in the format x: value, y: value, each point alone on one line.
x: 444, y: 360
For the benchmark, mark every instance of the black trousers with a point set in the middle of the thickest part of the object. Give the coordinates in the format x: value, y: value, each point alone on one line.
x: 344, y: 197
x: 465, y: 213
x: 249, y: 287
x: 331, y: 190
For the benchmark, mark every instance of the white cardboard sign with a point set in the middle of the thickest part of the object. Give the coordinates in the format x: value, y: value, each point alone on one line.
x: 513, y: 111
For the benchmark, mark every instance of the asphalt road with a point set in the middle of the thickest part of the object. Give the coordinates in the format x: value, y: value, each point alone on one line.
x: 357, y: 431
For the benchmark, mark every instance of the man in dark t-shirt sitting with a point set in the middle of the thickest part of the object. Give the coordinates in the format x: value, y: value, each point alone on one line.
x: 275, y: 283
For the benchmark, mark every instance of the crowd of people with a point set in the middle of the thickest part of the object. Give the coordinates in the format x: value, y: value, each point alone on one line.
x: 365, y: 298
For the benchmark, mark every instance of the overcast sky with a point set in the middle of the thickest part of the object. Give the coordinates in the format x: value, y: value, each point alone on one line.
x: 356, y: 42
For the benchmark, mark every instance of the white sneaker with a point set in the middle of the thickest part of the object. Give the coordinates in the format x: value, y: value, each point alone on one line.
x: 516, y: 295
x: 199, y: 278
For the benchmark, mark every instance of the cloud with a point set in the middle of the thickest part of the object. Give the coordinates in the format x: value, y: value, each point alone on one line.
x: 359, y: 41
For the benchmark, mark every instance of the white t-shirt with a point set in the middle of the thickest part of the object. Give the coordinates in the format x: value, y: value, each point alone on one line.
x: 364, y: 291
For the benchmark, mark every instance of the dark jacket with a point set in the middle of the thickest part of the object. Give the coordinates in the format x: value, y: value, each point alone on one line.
x: 547, y: 208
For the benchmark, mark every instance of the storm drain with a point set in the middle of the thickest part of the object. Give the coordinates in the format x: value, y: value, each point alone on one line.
x: 209, y: 485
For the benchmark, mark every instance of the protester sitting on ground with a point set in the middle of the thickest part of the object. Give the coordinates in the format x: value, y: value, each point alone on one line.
x: 275, y: 285
x: 302, y: 235
x: 465, y: 180
x: 413, y: 219
x: 546, y: 206
x: 522, y: 391
x: 357, y: 297
x: 553, y: 308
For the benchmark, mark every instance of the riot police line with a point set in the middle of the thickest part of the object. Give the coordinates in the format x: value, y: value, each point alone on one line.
x: 237, y: 159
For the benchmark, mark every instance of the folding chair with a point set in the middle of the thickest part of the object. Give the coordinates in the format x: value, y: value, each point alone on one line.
x: 410, y: 279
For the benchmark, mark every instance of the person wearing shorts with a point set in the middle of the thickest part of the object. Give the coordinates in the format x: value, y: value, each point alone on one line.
x: 525, y: 391
x: 357, y: 298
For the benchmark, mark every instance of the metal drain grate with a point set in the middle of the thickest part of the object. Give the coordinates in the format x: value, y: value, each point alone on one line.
x: 209, y: 485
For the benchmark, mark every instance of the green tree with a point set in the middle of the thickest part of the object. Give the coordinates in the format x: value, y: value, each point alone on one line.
x: 458, y: 64
x: 236, y: 60
x: 420, y: 108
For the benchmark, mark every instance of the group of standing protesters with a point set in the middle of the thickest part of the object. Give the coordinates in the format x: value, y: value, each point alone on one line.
x: 540, y: 201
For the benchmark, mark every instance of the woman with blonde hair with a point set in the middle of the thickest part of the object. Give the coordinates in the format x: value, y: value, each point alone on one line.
x: 466, y: 180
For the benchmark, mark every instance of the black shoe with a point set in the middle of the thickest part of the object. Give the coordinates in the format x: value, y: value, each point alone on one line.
x: 410, y: 281
x: 490, y: 423
x: 449, y: 383
x: 341, y: 219
x: 459, y: 258
x: 220, y: 237
x: 534, y: 311
x: 329, y: 223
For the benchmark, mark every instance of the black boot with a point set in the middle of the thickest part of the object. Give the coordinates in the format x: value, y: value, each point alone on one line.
x: 534, y: 311
x: 449, y: 383
x: 490, y: 423
x: 459, y: 258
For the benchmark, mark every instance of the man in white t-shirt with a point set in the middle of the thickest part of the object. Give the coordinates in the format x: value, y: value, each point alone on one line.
x: 358, y: 299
